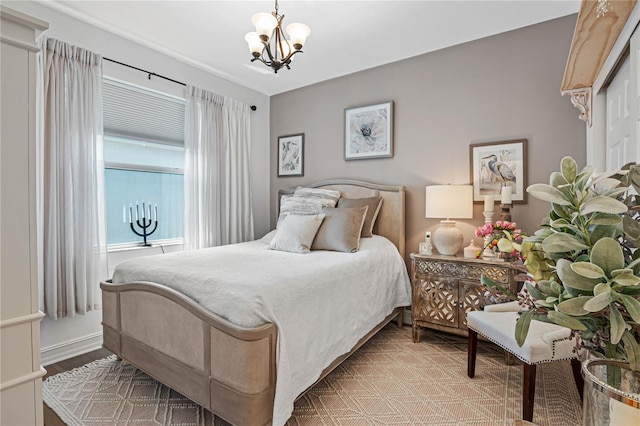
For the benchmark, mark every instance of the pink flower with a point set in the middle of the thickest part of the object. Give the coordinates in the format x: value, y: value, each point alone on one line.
x: 493, y: 232
x: 484, y: 230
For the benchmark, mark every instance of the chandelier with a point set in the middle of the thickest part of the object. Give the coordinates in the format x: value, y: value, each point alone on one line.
x: 268, y: 43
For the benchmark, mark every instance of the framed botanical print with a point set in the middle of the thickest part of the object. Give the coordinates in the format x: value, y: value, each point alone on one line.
x: 494, y: 165
x: 291, y: 155
x: 368, y: 132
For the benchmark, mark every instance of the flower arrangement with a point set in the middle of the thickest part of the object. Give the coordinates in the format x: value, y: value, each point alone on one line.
x: 502, y: 235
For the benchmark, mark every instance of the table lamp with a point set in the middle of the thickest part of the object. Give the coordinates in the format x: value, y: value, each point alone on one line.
x: 448, y: 201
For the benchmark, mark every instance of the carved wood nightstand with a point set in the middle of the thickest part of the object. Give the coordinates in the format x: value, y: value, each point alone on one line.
x: 445, y: 288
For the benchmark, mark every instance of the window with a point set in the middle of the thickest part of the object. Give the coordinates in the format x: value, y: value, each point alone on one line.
x: 144, y: 162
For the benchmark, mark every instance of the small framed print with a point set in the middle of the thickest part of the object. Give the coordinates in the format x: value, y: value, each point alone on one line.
x: 368, y: 132
x: 494, y: 165
x: 291, y: 155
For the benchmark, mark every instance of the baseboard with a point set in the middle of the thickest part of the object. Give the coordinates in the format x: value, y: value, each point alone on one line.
x: 71, y: 348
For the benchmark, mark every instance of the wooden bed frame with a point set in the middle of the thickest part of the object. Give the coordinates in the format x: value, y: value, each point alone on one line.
x: 229, y: 370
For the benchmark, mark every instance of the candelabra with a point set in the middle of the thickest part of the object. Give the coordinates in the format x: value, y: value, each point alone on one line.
x: 506, y: 203
x: 505, y: 213
x: 487, y: 252
x: 143, y: 222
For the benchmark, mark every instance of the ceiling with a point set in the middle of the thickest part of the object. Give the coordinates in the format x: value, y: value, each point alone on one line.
x: 346, y: 36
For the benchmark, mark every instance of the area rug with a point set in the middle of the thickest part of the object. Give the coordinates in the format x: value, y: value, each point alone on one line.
x: 389, y: 381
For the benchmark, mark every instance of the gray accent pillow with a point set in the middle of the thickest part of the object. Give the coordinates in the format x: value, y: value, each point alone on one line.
x: 296, y: 233
x: 301, y: 206
x: 374, y: 204
x: 340, y: 230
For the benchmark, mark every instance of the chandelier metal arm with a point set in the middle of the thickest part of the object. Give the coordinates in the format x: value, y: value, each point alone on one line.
x: 274, y: 64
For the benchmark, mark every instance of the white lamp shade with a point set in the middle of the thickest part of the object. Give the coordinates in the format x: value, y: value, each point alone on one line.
x: 264, y: 23
x: 254, y: 42
x: 449, y: 201
x: 298, y: 34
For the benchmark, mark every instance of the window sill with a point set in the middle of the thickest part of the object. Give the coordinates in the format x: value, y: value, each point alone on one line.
x: 114, y: 248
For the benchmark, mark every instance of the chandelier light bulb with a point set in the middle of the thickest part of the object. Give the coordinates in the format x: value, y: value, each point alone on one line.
x: 298, y: 34
x: 264, y: 23
x: 254, y: 42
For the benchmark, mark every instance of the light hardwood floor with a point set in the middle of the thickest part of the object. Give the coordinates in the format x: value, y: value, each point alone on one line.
x: 51, y: 418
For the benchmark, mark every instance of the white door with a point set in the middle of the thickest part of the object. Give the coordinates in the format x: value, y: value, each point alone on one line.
x: 634, y: 154
x: 623, y: 110
x: 620, y: 147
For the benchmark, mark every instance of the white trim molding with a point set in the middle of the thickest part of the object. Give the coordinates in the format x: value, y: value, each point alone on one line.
x: 581, y: 99
x: 70, y: 348
x: 23, y: 379
x: 21, y: 320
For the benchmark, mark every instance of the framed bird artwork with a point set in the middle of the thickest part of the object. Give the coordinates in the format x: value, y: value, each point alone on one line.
x: 494, y: 165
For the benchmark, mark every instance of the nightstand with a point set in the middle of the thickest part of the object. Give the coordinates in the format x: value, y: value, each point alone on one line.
x: 445, y: 288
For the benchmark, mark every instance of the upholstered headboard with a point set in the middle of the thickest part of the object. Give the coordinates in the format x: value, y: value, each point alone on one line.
x: 391, y: 219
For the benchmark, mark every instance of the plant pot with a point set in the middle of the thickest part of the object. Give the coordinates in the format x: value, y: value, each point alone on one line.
x: 611, y: 393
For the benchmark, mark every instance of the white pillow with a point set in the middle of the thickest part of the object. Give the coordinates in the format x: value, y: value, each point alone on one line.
x: 329, y: 196
x: 302, y: 206
x: 296, y: 233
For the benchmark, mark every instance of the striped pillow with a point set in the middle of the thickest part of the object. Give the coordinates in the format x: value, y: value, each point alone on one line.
x: 302, y: 206
x: 323, y: 194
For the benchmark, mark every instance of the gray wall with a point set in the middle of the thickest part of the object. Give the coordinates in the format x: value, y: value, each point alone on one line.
x: 499, y: 88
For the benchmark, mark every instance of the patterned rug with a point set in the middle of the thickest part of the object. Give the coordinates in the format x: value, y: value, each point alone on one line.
x: 389, y: 381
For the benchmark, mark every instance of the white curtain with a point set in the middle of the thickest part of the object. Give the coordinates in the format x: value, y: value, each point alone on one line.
x: 217, y: 189
x: 71, y: 181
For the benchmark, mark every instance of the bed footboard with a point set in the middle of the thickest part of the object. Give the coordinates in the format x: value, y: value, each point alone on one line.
x: 229, y: 370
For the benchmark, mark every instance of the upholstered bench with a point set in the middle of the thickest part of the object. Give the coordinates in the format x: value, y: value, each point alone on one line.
x: 545, y: 343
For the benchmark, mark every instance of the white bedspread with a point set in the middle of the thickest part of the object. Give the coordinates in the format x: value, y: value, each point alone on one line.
x: 322, y: 302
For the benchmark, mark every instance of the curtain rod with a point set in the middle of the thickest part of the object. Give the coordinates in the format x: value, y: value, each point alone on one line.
x: 149, y: 74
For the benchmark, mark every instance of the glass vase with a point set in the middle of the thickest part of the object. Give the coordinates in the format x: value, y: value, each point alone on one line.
x: 611, y: 393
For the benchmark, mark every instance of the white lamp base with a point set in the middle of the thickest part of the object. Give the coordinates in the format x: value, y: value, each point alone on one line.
x: 448, y: 238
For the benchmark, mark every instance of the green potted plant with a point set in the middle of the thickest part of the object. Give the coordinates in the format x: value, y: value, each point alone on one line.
x: 583, y: 264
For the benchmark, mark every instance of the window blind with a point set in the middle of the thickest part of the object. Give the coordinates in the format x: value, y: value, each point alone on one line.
x: 133, y: 112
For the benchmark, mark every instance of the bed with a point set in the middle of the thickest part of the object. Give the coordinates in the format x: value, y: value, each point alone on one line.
x: 250, y: 360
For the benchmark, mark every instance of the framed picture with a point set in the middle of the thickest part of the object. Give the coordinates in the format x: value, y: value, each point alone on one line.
x: 497, y: 164
x: 291, y: 155
x: 368, y: 132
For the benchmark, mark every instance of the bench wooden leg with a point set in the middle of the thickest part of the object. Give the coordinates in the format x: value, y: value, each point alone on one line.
x: 528, y: 391
x: 472, y: 349
x: 576, y: 367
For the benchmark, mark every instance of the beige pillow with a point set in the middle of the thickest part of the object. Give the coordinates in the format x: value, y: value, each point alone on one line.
x: 374, y: 204
x: 340, y: 230
x: 296, y: 233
